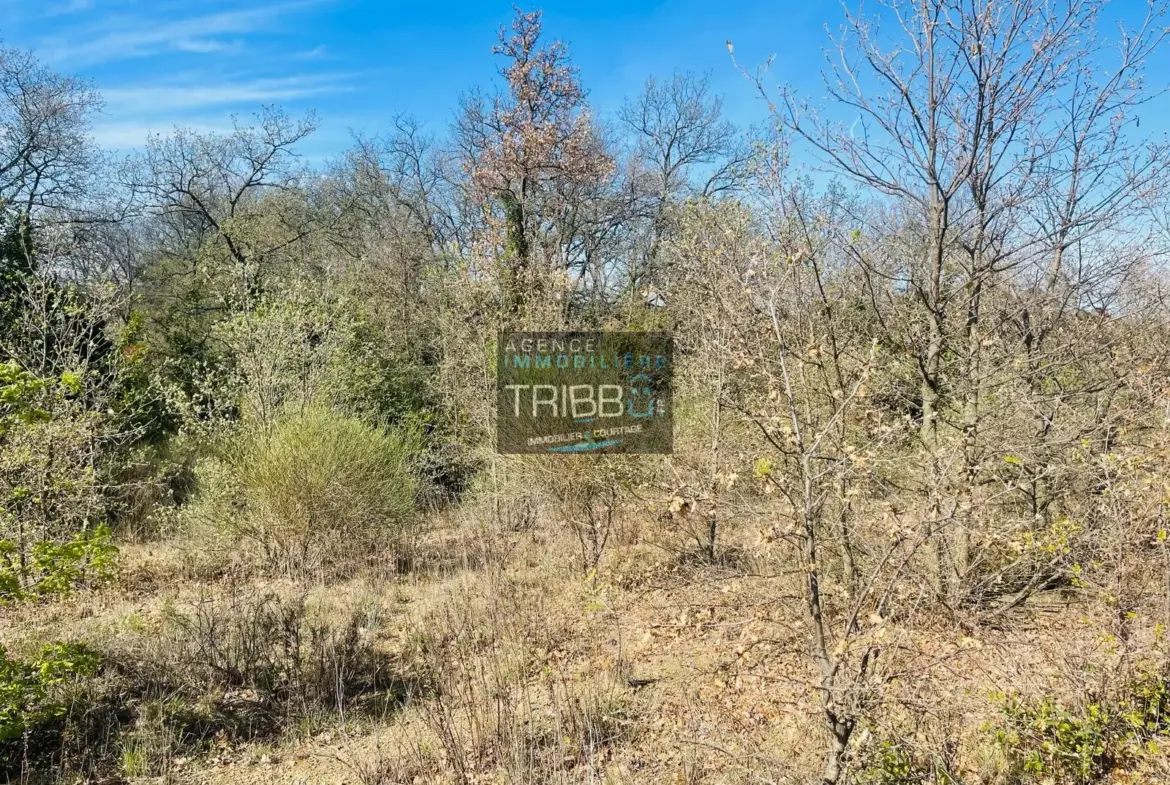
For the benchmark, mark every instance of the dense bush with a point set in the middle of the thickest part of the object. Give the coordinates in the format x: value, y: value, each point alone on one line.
x: 59, y: 461
x: 321, y: 486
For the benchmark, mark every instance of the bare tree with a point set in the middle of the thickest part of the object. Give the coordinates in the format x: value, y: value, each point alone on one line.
x: 47, y: 160
x: 413, y: 171
x: 957, y: 126
x: 799, y: 377
x: 683, y: 137
x: 210, y: 191
x: 686, y: 146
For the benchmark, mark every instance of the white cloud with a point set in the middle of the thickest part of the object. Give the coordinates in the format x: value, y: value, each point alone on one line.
x: 71, y: 7
x: 168, y: 98
x: 155, y: 97
x: 133, y: 134
x: 207, y: 45
x: 315, y: 53
x: 122, y: 37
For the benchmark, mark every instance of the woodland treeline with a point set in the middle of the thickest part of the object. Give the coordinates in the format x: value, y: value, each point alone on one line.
x: 920, y: 324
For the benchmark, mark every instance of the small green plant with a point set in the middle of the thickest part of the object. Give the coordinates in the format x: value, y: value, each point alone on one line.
x: 1045, y: 740
x: 890, y: 764
x: 162, y: 729
x: 18, y: 392
x: 56, y: 568
x: 31, y: 690
x: 134, y: 760
x: 895, y: 762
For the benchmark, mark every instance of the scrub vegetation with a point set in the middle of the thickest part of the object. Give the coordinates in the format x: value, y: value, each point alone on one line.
x: 253, y: 527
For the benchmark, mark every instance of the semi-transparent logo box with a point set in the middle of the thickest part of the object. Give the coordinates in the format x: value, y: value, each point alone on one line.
x: 584, y: 392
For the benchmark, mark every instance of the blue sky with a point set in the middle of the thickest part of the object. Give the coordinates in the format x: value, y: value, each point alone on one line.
x: 357, y: 62
x: 161, y: 63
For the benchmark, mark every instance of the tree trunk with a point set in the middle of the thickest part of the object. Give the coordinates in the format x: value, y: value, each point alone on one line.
x: 835, y: 760
x: 930, y: 371
x: 516, y: 275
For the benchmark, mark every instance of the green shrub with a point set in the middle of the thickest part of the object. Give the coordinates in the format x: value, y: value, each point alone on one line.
x: 66, y: 432
x: 890, y: 760
x: 891, y: 764
x: 1046, y: 741
x: 56, y: 568
x: 322, y: 486
x: 18, y: 391
x: 30, y: 690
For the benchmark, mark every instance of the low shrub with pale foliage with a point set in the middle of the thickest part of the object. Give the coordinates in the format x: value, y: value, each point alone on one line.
x: 321, y: 487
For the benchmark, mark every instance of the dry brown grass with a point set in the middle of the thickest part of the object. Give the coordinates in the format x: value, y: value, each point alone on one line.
x: 492, y: 659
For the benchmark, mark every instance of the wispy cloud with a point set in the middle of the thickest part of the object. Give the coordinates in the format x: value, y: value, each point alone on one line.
x: 130, y: 135
x: 123, y: 37
x: 207, y: 45
x: 316, y: 53
x: 162, y: 64
x: 70, y: 7
x: 172, y: 97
